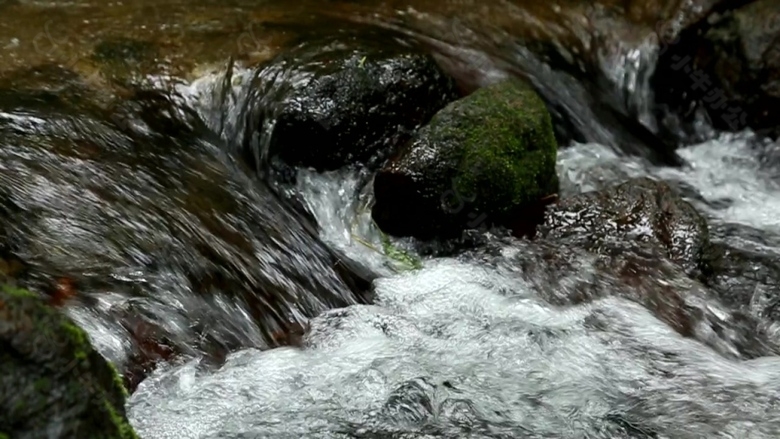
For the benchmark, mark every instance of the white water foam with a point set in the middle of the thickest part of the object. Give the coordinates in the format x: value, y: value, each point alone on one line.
x: 731, y: 183
x: 458, y: 350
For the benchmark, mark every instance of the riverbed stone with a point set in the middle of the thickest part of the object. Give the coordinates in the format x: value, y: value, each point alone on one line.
x: 52, y: 382
x: 742, y: 271
x: 343, y: 100
x: 145, y: 188
x: 480, y: 160
x: 729, y: 66
x: 642, y: 210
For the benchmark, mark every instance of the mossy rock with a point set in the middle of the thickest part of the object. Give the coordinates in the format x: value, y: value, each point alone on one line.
x: 52, y: 382
x: 480, y: 160
x: 125, y: 61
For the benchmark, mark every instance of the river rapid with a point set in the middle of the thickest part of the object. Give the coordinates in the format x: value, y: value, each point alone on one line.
x: 467, y: 346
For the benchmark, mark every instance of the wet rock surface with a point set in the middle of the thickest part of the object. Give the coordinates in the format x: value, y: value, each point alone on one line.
x: 52, y: 382
x: 567, y: 274
x: 583, y: 58
x: 641, y: 210
x: 655, y: 248
x: 478, y: 161
x: 745, y: 276
x: 342, y: 99
x: 727, y: 66
x: 140, y: 201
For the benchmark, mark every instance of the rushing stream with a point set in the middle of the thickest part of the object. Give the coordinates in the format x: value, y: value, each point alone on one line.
x: 174, y: 237
x: 468, y: 348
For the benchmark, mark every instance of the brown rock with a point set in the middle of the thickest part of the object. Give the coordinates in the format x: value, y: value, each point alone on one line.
x: 641, y: 210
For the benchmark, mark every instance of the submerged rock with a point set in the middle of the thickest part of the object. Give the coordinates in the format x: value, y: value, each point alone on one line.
x: 744, y: 270
x: 329, y: 103
x: 729, y: 66
x: 481, y: 159
x: 52, y: 382
x: 45, y: 86
x: 567, y: 274
x: 142, y: 203
x: 125, y: 61
x: 641, y: 210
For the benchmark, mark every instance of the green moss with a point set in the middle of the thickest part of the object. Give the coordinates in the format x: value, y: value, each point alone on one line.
x: 78, y: 337
x: 118, y: 379
x: 123, y: 427
x: 49, y: 383
x: 4, y: 436
x: 408, y: 261
x: 17, y: 292
x: 42, y: 384
x: 507, y: 147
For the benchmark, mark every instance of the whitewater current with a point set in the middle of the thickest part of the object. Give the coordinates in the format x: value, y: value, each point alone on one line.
x: 468, y: 348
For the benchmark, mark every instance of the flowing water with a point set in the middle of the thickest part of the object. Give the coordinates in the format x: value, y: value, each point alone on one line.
x: 468, y: 347
x: 174, y: 240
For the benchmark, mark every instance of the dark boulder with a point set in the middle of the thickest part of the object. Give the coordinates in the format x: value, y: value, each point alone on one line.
x: 652, y: 247
x: 216, y: 258
x: 742, y: 271
x: 53, y: 384
x: 640, y: 210
x: 480, y: 160
x: 728, y: 65
x: 329, y: 103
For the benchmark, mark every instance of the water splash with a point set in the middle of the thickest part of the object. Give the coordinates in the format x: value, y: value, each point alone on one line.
x: 462, y: 350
